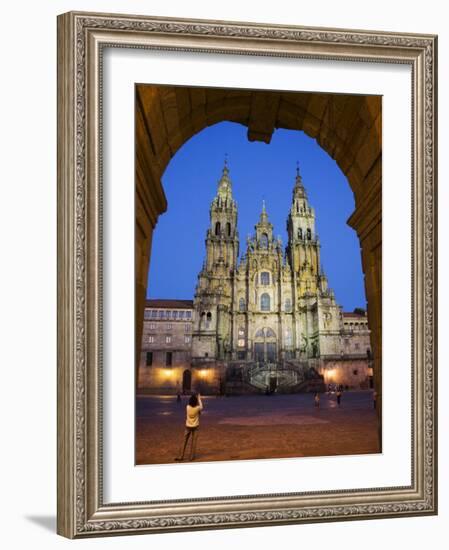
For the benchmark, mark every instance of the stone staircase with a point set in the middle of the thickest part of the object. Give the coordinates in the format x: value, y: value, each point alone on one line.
x: 282, y: 377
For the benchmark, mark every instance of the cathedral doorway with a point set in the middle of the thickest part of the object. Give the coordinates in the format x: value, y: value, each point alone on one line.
x: 265, y: 346
x: 186, y: 381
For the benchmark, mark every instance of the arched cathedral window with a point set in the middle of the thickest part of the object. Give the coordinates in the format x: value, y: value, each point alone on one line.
x: 264, y: 278
x: 265, y: 302
x: 217, y: 228
x: 264, y: 240
x: 228, y: 229
x: 299, y: 233
x: 309, y: 234
x: 241, y: 338
x: 265, y: 332
x: 288, y: 304
x: 208, y: 319
x: 242, y: 304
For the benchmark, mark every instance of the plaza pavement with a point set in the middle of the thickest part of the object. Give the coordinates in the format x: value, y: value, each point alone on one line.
x: 258, y: 426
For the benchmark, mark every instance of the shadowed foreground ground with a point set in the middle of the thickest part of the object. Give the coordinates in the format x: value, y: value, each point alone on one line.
x: 258, y: 426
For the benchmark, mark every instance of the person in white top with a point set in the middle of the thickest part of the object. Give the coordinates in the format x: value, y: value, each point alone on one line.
x: 193, y: 411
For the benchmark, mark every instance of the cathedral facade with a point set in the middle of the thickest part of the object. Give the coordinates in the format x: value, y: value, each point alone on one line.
x: 267, y: 318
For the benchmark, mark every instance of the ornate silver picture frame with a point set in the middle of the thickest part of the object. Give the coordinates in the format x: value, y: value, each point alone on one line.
x: 82, y: 40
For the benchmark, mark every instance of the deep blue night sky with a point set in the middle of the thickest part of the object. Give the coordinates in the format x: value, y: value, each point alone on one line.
x: 258, y: 171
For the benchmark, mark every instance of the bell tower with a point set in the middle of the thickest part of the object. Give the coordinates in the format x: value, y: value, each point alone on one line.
x: 214, y: 291
x: 303, y: 250
x: 222, y: 241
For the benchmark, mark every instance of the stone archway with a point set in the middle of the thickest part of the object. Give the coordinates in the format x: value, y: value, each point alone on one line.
x: 347, y: 127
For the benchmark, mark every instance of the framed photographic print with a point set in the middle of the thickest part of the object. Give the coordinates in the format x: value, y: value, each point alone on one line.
x: 247, y: 274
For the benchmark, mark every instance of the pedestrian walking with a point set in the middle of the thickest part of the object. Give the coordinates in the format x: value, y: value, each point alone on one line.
x: 374, y: 398
x: 193, y: 411
x: 339, y: 392
x: 317, y: 399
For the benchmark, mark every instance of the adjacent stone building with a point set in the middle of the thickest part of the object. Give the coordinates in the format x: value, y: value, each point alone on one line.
x: 266, y: 320
x: 166, y: 346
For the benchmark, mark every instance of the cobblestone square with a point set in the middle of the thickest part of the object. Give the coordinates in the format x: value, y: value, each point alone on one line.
x: 258, y: 426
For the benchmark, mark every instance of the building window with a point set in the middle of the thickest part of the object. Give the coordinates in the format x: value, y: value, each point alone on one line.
x: 151, y: 339
x: 175, y: 315
x: 288, y: 337
x: 288, y: 304
x: 241, y: 355
x: 264, y: 278
x: 154, y: 314
x: 265, y: 302
x: 181, y: 314
x: 152, y: 326
x: 161, y: 314
x: 264, y: 240
x: 242, y: 304
x: 169, y: 326
x: 169, y: 359
x: 309, y: 234
x: 299, y: 233
x: 208, y: 319
x: 149, y: 358
x: 188, y: 314
x: 147, y: 314
x: 228, y: 229
x: 217, y: 228
x: 187, y: 339
x: 241, y: 338
x: 187, y: 327
x: 168, y: 339
x: 356, y: 345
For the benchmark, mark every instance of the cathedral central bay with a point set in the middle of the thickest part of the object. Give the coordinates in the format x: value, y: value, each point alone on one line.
x: 264, y: 320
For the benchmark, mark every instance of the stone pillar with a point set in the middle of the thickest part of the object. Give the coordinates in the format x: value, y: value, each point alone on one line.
x: 150, y: 202
x: 367, y: 221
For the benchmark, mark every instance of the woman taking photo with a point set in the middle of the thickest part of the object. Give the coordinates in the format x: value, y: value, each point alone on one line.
x: 193, y: 411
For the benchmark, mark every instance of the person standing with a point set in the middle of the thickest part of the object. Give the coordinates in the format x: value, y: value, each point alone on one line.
x: 193, y: 411
x: 338, y: 396
x: 317, y: 399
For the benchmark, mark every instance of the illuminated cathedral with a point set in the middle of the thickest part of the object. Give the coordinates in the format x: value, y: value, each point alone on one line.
x: 268, y: 316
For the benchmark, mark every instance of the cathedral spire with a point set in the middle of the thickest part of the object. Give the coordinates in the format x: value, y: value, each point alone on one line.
x: 263, y: 214
x: 299, y: 190
x: 225, y: 165
x: 224, y: 192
